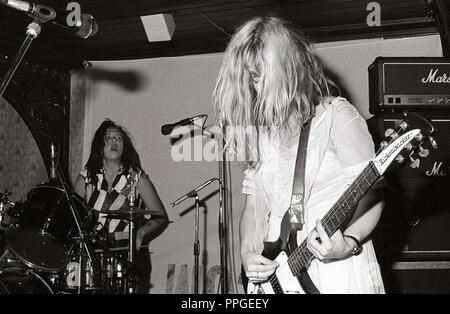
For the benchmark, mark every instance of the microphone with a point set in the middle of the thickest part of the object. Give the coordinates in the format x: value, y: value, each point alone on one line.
x: 84, y: 27
x: 166, y: 129
x: 53, y: 162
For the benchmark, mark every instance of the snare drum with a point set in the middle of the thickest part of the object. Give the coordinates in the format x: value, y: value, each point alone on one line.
x: 45, y: 228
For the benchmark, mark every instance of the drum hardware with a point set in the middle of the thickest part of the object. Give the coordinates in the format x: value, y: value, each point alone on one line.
x: 118, y: 272
x: 115, y: 270
x: 51, y: 220
x: 131, y: 215
x: 125, y: 262
x: 85, y: 243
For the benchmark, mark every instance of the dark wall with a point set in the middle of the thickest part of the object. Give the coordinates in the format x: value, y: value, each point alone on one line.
x: 40, y: 95
x: 35, y: 111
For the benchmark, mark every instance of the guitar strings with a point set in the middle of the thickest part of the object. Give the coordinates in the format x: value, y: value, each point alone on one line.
x: 366, y: 176
x: 283, y: 274
x: 369, y: 176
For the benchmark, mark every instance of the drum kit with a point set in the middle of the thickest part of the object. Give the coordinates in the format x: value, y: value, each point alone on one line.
x: 42, y: 250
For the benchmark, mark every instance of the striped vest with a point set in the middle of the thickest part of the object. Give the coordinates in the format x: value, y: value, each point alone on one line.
x: 101, y: 197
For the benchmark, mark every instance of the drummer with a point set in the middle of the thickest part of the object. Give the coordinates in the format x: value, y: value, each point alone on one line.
x: 113, y: 177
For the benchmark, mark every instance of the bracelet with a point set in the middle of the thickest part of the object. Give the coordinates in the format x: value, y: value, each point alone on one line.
x: 358, y: 247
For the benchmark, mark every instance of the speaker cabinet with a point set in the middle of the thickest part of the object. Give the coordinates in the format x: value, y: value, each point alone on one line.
x: 415, y: 224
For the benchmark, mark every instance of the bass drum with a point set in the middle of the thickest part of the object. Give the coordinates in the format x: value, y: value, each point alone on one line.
x: 16, y: 280
x: 45, y: 228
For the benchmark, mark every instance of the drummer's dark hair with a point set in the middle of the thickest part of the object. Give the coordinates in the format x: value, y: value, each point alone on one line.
x: 129, y: 159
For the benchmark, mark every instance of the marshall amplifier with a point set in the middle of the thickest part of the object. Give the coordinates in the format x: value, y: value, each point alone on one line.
x: 412, y: 238
x: 398, y: 83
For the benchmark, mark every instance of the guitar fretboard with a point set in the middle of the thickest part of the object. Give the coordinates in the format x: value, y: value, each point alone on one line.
x: 337, y: 215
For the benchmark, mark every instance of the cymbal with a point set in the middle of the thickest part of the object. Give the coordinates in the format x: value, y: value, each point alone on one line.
x: 130, y: 213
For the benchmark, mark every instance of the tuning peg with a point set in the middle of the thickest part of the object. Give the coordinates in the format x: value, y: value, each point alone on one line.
x: 388, y: 132
x: 415, y: 163
x: 394, y: 136
x: 400, y: 159
x: 409, y: 147
x: 401, y: 124
x: 383, y: 144
x: 419, y: 136
x: 424, y: 152
x: 433, y: 142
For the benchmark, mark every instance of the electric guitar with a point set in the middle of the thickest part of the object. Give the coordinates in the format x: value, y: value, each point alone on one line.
x: 405, y: 145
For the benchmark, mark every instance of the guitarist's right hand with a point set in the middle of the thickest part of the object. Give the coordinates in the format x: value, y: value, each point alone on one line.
x: 257, y: 268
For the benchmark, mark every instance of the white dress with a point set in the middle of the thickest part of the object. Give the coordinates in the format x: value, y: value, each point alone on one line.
x: 339, y: 147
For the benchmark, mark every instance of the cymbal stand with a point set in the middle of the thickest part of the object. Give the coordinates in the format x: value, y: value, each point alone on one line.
x: 82, y: 235
x: 130, y: 279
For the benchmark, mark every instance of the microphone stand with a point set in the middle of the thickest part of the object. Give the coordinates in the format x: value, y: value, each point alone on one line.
x: 222, y: 206
x: 222, y: 214
x: 191, y: 194
x: 223, y: 225
x: 41, y: 14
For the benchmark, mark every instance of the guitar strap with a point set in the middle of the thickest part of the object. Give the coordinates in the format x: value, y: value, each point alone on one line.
x: 296, y: 210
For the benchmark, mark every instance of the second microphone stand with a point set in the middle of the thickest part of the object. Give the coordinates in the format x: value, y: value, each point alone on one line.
x: 194, y: 194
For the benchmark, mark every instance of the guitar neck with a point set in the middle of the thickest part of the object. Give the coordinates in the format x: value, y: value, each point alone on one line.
x: 337, y: 215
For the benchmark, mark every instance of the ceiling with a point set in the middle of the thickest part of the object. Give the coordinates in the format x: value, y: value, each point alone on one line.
x: 204, y: 26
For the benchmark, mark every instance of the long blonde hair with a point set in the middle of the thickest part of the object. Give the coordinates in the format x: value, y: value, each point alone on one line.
x: 268, y: 76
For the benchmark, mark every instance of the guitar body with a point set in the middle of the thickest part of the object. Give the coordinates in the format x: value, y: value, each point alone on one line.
x: 289, y: 283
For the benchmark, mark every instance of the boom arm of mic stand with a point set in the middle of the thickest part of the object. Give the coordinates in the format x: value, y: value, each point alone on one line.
x: 193, y: 193
x: 41, y: 14
x: 33, y: 31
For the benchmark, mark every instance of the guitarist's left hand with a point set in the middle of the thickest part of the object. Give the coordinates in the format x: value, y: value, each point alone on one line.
x: 326, y: 248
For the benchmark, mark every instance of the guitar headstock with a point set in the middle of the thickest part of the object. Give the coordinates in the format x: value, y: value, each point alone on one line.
x: 409, y: 141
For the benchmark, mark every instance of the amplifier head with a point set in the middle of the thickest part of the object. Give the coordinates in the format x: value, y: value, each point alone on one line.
x: 398, y: 83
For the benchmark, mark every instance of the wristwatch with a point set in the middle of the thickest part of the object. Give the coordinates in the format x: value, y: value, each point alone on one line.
x: 358, y: 247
